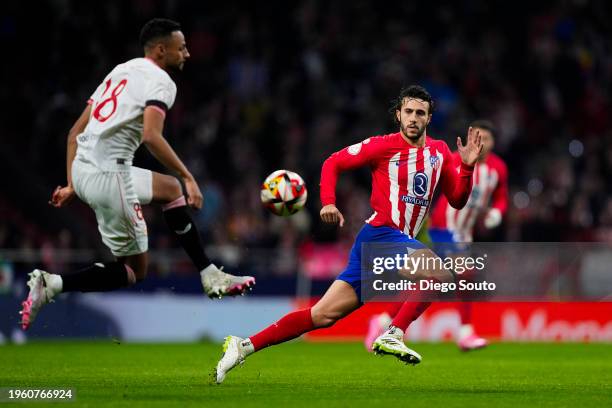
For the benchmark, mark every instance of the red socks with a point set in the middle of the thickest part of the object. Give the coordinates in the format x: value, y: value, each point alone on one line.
x: 289, y: 327
x: 409, y: 312
x: 394, y: 308
x: 465, y: 311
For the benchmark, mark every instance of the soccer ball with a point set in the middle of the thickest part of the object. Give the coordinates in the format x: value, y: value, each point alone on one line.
x: 283, y: 193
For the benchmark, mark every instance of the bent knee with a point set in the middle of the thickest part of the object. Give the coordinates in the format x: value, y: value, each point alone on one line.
x: 174, y: 188
x: 166, y: 188
x: 322, y: 319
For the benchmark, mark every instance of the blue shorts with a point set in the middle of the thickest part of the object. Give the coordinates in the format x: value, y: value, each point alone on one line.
x: 444, y: 243
x: 369, y: 234
x: 441, y: 235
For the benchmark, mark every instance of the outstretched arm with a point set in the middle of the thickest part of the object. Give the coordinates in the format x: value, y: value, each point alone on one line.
x: 158, y: 146
x: 348, y: 158
x: 458, y: 186
x: 63, y: 195
x: 351, y: 157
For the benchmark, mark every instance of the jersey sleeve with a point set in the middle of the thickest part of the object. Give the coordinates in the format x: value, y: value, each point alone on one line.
x: 160, y: 92
x: 499, y: 197
x: 97, y: 92
x: 456, y: 160
x: 456, y: 186
x: 351, y: 157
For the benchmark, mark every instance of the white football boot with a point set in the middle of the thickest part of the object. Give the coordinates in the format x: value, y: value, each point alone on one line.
x: 217, y: 283
x: 234, y: 353
x: 40, y: 294
x: 391, y: 342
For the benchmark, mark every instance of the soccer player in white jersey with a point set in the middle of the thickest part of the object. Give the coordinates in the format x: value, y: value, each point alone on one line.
x: 129, y: 108
x: 406, y: 167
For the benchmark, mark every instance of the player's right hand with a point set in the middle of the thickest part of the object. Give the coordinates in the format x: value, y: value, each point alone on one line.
x: 194, y: 195
x: 61, y: 196
x: 331, y: 215
x: 471, y: 151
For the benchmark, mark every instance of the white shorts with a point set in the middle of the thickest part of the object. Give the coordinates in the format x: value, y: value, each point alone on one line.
x: 116, y: 197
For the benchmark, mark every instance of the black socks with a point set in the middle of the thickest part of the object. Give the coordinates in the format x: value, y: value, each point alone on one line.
x: 99, y: 277
x: 182, y: 226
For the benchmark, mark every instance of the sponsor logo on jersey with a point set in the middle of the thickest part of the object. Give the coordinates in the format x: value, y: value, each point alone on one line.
x: 415, y: 200
x: 419, y: 185
x: 85, y: 137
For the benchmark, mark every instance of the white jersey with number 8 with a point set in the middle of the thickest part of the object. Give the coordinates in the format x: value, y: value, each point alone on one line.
x: 102, y: 172
x: 114, y: 130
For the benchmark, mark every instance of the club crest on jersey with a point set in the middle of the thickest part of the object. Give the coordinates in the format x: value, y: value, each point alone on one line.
x: 434, y: 161
x: 419, y: 184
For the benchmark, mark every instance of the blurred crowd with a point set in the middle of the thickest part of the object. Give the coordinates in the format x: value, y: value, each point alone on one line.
x: 275, y: 85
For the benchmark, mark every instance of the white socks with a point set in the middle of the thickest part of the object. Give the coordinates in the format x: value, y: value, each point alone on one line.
x: 247, y: 347
x: 54, y: 283
x: 210, y: 268
x: 395, y: 332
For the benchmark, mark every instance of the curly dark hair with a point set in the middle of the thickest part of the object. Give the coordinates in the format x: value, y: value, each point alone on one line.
x: 412, y: 91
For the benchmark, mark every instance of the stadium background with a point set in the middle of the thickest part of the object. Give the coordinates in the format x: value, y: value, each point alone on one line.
x: 282, y: 85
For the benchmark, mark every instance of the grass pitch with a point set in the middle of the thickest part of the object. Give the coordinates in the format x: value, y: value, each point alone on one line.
x: 308, y: 375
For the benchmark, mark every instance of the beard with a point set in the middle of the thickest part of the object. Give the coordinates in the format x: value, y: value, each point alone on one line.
x: 176, y: 68
x: 406, y: 129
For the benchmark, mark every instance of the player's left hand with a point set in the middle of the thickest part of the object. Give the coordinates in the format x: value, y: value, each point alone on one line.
x: 470, y: 152
x: 61, y: 196
x: 194, y: 195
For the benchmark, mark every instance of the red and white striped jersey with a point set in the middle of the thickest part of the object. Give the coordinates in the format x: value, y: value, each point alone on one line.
x: 490, y: 183
x: 404, y: 178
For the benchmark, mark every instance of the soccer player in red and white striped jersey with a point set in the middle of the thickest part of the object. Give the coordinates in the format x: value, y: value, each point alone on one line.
x: 403, y: 178
x: 448, y: 225
x: 406, y: 168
